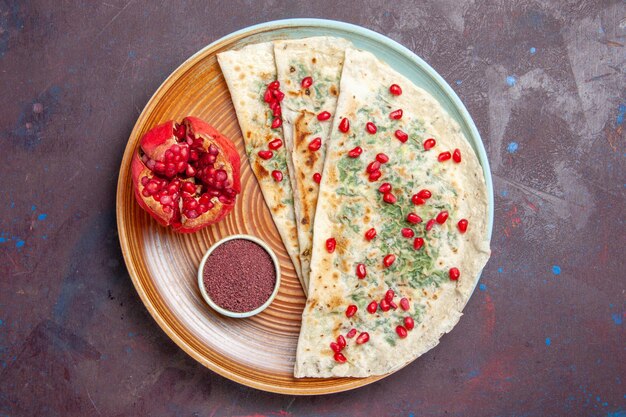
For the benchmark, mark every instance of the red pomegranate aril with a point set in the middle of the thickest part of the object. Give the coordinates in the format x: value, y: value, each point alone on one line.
x: 429, y: 144
x: 396, y: 114
x: 344, y: 125
x: 371, y: 128
x: 331, y: 243
x: 277, y: 111
x: 389, y: 295
x: 413, y: 218
x: 408, y: 233
x: 418, y: 243
x: 277, y: 175
x: 442, y: 217
x: 417, y: 200
x: 361, y: 271
x: 462, y: 225
x: 456, y: 156
x: 363, y: 338
x: 275, y: 144
x: 351, y: 310
x: 385, y: 187
x: 317, y: 177
x: 388, y: 260
x: 335, y: 347
x: 401, y: 331
x: 382, y: 158
x: 393, y: 305
x: 279, y: 95
x: 404, y: 304
x: 372, y: 307
x: 351, y: 334
x: 430, y: 224
x: 373, y: 166
x: 384, y: 305
x: 339, y: 357
x: 190, y: 171
x: 389, y: 198
x: 454, y: 274
x: 444, y: 156
x: 354, y: 153
x: 268, y: 97
x: 265, y: 154
x: 401, y: 136
x: 409, y: 324
x: 370, y: 234
x: 374, y: 176
x: 306, y: 82
x: 341, y: 341
x: 425, y: 194
x: 315, y: 144
x: 274, y: 85
x: 277, y: 122
x: 180, y: 131
x: 323, y: 116
x: 395, y: 89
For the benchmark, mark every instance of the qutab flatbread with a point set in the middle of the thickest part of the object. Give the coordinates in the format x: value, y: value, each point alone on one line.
x: 350, y: 205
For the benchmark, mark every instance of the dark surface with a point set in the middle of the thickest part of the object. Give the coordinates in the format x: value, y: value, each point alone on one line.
x: 543, y: 334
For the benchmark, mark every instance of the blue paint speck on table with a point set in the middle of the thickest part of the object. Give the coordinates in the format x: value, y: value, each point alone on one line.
x: 33, y: 207
x: 482, y: 287
x: 621, y: 112
x: 533, y: 50
x: 3, y: 239
x: 548, y: 341
x: 504, y: 193
x: 500, y: 270
x: 20, y: 243
x: 511, y: 80
x: 512, y: 148
x: 458, y: 82
x: 556, y: 270
x: 617, y: 318
x: 42, y: 216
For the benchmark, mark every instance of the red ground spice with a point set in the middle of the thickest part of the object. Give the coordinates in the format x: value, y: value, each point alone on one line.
x: 239, y: 275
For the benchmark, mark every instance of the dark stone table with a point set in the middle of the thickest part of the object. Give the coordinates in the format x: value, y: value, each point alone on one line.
x: 543, y: 334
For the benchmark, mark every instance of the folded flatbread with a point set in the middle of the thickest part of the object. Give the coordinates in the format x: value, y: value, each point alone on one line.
x: 350, y: 204
x: 321, y: 59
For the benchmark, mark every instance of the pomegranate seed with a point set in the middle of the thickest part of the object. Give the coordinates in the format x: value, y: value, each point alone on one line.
x: 274, y: 85
x: 401, y: 136
x: 408, y: 233
x: 351, y: 334
x: 279, y: 95
x: 335, y: 347
x: 351, y: 310
x: 454, y: 274
x: 372, y: 307
x: 354, y: 153
x: 315, y: 144
x: 409, y: 323
x: 396, y: 114
x: 306, y: 82
x: 402, y: 333
x: 277, y: 122
x: 317, y: 177
x: 371, y: 127
x: 444, y: 156
x: 462, y: 225
x: 374, y: 176
x: 389, y: 260
x: 275, y: 144
x: 395, y: 89
x: 425, y: 194
x: 361, y: 272
x: 429, y: 144
x: 370, y: 234
x: 180, y: 132
x: 413, y: 218
x: 389, y: 295
x: 382, y: 158
x: 265, y: 154
x: 331, y: 243
x: 456, y: 156
x: 393, y: 305
x: 373, y: 166
x: 340, y: 358
x: 277, y: 111
x: 268, y: 97
x: 341, y: 341
x: 430, y: 224
x: 404, y: 303
x: 385, y: 187
x: 323, y: 116
x: 384, y: 305
x: 417, y: 200
x: 363, y: 338
x: 344, y: 125
x: 418, y: 243
x: 389, y: 198
x: 277, y: 175
x: 442, y: 217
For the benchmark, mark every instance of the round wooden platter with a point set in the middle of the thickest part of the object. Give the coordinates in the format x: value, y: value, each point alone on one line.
x: 258, y: 351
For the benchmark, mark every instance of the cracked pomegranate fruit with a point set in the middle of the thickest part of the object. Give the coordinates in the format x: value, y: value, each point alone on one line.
x: 186, y: 175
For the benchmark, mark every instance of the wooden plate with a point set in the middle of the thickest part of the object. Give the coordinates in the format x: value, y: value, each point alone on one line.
x: 259, y: 351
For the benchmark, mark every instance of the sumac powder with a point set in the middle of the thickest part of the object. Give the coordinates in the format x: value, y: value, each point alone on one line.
x: 239, y: 275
